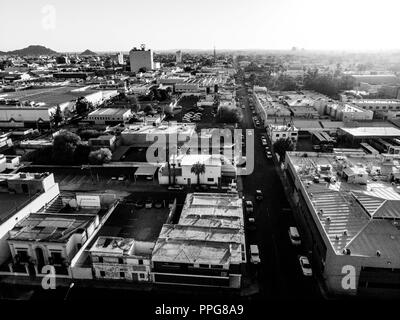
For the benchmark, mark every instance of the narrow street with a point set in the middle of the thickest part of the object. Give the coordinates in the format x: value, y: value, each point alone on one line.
x: 280, y: 274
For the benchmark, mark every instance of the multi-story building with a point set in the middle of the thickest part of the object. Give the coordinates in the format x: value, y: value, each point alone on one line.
x: 141, y: 59
x: 276, y: 132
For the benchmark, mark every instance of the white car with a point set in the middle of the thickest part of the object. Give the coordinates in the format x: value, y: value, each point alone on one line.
x: 254, y: 254
x: 249, y: 207
x: 305, y: 266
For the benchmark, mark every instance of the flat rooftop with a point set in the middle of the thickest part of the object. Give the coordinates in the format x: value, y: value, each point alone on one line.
x: 9, y: 203
x: 49, y: 96
x: 363, y: 218
x: 197, y: 252
x: 108, y: 112
x: 50, y: 227
x: 361, y: 132
x: 142, y: 224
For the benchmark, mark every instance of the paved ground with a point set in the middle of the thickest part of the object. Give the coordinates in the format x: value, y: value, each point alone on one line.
x: 280, y: 274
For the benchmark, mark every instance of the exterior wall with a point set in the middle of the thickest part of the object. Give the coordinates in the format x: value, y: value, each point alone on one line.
x: 130, y: 269
x: 23, y: 115
x: 141, y: 59
x: 33, y: 206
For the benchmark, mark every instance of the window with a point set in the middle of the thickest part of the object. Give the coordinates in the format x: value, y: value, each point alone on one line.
x: 23, y: 255
x: 120, y: 261
x: 122, y: 274
x: 56, y: 257
x: 102, y: 274
x: 140, y: 261
x: 101, y: 259
x: 142, y: 276
x: 203, y: 265
x: 210, y: 179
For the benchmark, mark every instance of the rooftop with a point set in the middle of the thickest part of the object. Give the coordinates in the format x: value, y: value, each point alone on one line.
x: 353, y: 216
x: 360, y: 132
x: 9, y: 203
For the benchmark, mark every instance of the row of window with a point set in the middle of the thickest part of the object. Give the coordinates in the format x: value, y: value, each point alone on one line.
x: 120, y: 261
x: 135, y: 276
x: 383, y: 107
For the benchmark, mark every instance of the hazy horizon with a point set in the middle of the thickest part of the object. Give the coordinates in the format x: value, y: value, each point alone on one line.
x: 253, y: 25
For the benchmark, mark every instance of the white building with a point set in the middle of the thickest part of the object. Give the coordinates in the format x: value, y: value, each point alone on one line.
x: 109, y: 115
x: 276, y: 132
x: 178, y: 56
x: 215, y: 167
x: 141, y: 58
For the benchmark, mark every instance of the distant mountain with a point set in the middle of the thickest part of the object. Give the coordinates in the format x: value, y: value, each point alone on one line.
x: 88, y: 53
x: 32, y: 51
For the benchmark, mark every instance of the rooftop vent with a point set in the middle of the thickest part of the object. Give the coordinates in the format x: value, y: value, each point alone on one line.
x: 345, y: 232
x: 378, y: 253
x: 328, y: 219
x: 337, y: 238
x: 346, y: 251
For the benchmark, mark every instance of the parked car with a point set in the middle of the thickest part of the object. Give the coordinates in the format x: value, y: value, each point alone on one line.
x: 254, y: 254
x: 121, y: 178
x: 139, y: 204
x: 158, y: 204
x: 148, y: 204
x: 264, y: 141
x: 268, y: 154
x: 114, y: 178
x: 294, y: 236
x: 305, y: 266
x: 175, y: 188
x: 259, y: 195
x: 249, y: 206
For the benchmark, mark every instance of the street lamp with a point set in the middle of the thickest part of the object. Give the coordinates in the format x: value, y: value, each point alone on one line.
x: 69, y: 289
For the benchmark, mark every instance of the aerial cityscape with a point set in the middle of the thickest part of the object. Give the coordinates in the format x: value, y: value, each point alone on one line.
x: 213, y: 170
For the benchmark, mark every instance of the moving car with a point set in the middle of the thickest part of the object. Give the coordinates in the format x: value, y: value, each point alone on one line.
x: 294, y: 236
x: 305, y: 266
x: 264, y: 141
x: 252, y: 223
x: 259, y: 195
x: 254, y: 254
x: 249, y: 206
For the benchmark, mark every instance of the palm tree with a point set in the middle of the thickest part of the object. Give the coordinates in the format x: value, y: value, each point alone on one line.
x: 198, y: 169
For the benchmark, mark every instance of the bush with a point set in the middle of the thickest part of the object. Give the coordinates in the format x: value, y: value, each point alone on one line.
x: 229, y: 115
x: 100, y: 156
x: 64, y: 146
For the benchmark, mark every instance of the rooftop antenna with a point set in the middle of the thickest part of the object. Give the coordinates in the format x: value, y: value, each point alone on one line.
x: 142, y: 47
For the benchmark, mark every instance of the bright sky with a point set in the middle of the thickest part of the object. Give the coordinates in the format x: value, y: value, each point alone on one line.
x: 75, y: 25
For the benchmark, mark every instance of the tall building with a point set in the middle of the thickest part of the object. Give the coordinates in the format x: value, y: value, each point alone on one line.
x: 141, y: 58
x: 179, y: 56
x: 120, y: 58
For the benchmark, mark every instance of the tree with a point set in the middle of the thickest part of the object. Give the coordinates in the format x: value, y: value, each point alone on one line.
x: 198, y: 169
x: 57, y: 116
x: 81, y: 154
x: 229, y: 115
x: 89, y: 133
x: 83, y: 106
x: 100, y: 156
x: 283, y: 145
x: 64, y: 146
x: 148, y: 109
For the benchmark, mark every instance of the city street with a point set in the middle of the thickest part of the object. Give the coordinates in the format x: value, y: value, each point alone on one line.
x: 280, y: 273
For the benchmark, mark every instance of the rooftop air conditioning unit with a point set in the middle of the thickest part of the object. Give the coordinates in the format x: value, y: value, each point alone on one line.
x: 345, y: 232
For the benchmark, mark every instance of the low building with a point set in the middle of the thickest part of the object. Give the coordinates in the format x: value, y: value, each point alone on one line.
x: 109, y: 116
x: 348, y: 218
x: 276, y: 132
x: 207, y: 247
x: 106, y: 141
x: 123, y: 247
x: 54, y: 234
x: 21, y: 194
x: 216, y: 167
x: 348, y: 112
